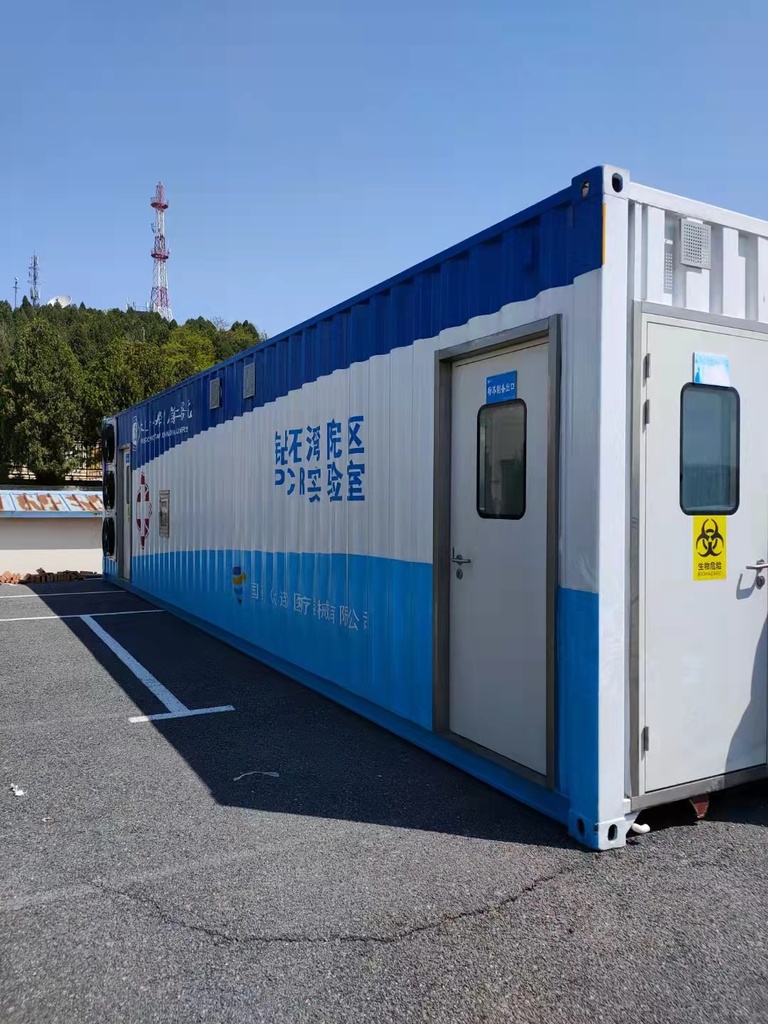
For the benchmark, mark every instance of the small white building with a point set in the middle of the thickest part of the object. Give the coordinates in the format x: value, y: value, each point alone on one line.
x: 53, y: 530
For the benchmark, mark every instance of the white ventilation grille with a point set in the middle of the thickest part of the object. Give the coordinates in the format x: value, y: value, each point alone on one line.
x: 669, y: 266
x: 695, y: 244
x: 249, y: 380
x: 214, y: 393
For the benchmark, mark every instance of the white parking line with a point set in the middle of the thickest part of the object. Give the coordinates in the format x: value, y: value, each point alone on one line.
x: 145, y: 677
x: 180, y: 714
x: 58, y: 593
x: 175, y: 707
x: 38, y: 618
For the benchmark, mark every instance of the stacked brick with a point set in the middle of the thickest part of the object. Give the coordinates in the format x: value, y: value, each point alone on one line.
x: 41, y: 576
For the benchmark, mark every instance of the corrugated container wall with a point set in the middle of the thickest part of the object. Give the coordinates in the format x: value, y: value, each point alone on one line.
x: 335, y: 554
x: 286, y: 499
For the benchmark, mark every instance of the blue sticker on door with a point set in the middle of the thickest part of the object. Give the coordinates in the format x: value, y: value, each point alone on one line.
x: 501, y: 388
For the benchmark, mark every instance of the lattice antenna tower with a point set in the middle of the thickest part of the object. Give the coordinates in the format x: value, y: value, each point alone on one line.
x: 34, y: 281
x: 159, y: 302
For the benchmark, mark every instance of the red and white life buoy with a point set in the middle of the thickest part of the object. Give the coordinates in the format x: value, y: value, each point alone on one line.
x: 143, y: 510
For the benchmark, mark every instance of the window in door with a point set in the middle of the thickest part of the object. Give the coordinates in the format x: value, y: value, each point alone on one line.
x: 709, y: 450
x: 501, y: 460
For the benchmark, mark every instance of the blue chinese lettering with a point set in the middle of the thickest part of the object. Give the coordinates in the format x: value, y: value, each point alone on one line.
x: 333, y: 439
x: 294, y: 446
x: 335, y: 477
x: 354, y: 425
x: 288, y: 451
x: 313, y: 444
x: 281, y: 448
x: 280, y: 477
x: 313, y: 484
x: 355, y: 471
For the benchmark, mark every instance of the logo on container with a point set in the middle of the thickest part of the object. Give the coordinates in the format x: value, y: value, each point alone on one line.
x: 238, y: 579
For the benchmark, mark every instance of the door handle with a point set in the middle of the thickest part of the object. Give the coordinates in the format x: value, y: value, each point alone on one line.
x: 458, y: 560
x: 758, y: 568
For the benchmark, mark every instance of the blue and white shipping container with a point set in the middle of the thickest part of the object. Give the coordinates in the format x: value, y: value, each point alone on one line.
x: 511, y: 504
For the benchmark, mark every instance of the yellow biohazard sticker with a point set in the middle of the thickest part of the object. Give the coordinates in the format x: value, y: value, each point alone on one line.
x: 709, y: 547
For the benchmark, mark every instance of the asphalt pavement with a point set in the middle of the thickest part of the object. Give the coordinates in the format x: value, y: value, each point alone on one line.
x: 287, y: 861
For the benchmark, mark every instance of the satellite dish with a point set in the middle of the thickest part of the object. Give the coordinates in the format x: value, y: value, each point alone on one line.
x: 60, y: 300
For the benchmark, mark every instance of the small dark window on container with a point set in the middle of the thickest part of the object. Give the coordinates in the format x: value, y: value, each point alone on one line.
x: 709, y: 450
x: 501, y: 444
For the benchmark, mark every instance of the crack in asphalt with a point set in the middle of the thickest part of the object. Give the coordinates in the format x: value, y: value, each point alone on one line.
x: 225, y: 938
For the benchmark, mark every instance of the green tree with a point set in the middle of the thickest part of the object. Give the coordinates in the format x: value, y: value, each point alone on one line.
x: 6, y: 334
x: 203, y: 326
x: 187, y: 352
x: 40, y: 405
x: 231, y: 340
x: 63, y: 369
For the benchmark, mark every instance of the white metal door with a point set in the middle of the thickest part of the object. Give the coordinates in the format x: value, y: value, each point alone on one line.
x: 705, y: 516
x: 498, y: 598
x: 126, y: 520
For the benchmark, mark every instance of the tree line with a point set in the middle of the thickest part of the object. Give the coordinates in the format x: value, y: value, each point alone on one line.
x: 63, y: 370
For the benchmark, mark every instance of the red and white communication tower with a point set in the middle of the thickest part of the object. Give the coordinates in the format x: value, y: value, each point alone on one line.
x: 159, y: 301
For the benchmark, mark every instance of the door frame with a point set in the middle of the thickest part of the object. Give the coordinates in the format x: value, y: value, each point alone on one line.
x: 547, y: 330
x: 123, y: 570
x: 642, y: 314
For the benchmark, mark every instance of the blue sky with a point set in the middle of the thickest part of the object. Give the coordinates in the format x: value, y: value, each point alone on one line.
x: 311, y: 149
